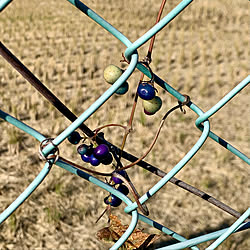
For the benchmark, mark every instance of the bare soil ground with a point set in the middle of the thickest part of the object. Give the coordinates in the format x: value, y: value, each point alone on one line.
x: 204, y: 53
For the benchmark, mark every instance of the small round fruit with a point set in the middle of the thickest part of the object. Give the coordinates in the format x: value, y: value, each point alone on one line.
x: 148, y: 113
x: 85, y: 158
x: 152, y: 106
x: 123, y: 89
x: 113, y: 200
x: 74, y: 137
x: 112, y: 73
x: 108, y: 160
x: 146, y: 91
x: 123, y: 189
x: 117, y: 180
x: 84, y: 149
x: 101, y: 151
x: 94, y: 161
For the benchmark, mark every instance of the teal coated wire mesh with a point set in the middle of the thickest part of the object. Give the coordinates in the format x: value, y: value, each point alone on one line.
x: 202, y: 123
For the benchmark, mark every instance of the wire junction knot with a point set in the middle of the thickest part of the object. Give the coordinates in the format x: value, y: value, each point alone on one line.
x: 53, y: 157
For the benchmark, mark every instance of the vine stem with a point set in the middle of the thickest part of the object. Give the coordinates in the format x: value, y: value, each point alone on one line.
x: 105, y: 126
x: 149, y: 55
x: 133, y: 163
x: 105, y: 210
x: 129, y: 126
x: 134, y: 192
x: 155, y: 139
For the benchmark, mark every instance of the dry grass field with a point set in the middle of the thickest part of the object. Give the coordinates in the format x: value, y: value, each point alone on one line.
x: 204, y: 53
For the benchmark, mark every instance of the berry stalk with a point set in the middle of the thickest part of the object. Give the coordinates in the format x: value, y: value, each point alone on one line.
x: 129, y: 126
x: 155, y: 139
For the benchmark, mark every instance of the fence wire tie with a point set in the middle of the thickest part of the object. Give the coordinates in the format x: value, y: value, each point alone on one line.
x: 185, y: 102
x: 51, y: 158
x: 146, y: 61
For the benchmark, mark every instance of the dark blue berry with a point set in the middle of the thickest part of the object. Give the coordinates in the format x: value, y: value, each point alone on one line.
x: 146, y: 91
x: 123, y: 189
x: 108, y: 160
x: 113, y: 200
x: 85, y: 158
x: 94, y: 161
x: 74, y: 137
x: 101, y: 151
x: 85, y: 149
x: 117, y: 180
x: 82, y: 149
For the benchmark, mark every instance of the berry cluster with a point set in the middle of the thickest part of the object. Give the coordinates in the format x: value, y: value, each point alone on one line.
x: 95, y: 156
x: 151, y: 102
x: 100, y: 154
x: 113, y: 200
x: 91, y: 154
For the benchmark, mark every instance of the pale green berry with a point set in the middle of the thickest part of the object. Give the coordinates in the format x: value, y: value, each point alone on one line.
x: 112, y: 73
x: 153, y: 105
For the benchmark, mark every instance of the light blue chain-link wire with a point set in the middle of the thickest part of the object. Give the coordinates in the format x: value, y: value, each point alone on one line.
x: 26, y: 193
x: 157, y: 27
x: 203, y: 238
x: 202, y: 123
x: 230, y: 230
x: 4, y: 3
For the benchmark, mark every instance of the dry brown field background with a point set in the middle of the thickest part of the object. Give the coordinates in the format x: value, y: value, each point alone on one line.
x: 204, y: 52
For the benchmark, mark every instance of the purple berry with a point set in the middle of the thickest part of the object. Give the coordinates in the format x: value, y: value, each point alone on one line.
x: 101, y: 151
x: 117, y: 180
x: 74, y: 137
x: 113, y: 200
x: 146, y: 91
x: 108, y: 160
x: 123, y: 189
x: 94, y: 161
x: 85, y: 158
